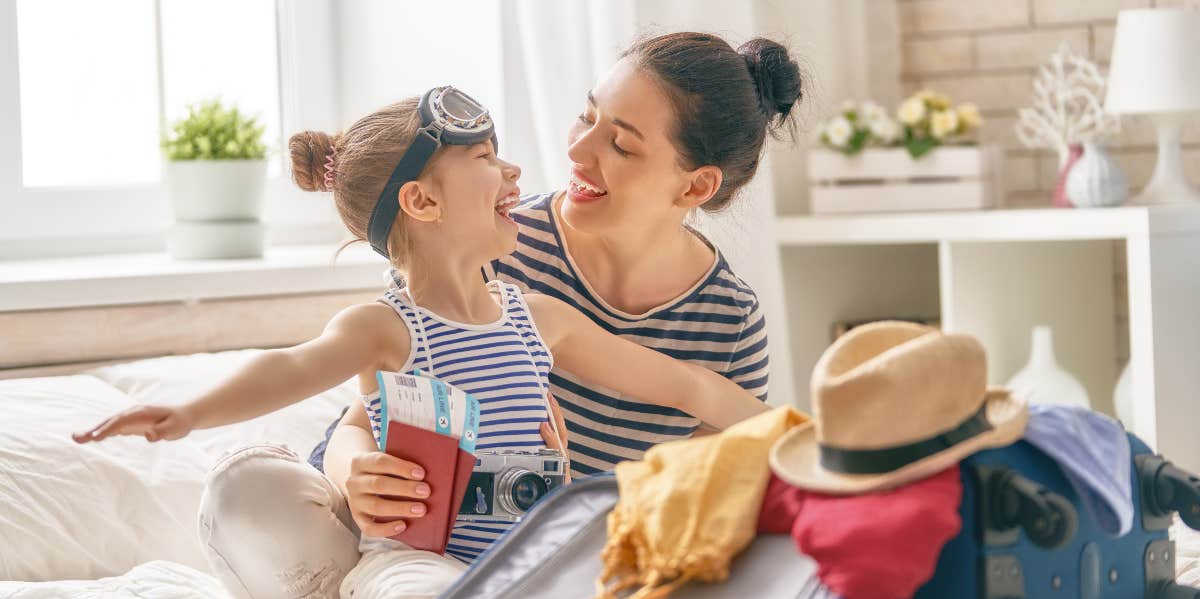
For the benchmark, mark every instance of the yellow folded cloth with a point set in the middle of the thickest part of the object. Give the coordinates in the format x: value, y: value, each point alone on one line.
x: 688, y: 507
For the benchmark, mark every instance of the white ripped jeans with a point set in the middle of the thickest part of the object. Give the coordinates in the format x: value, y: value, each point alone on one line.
x: 272, y: 527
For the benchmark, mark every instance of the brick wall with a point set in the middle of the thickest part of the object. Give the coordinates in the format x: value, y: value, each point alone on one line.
x: 986, y: 51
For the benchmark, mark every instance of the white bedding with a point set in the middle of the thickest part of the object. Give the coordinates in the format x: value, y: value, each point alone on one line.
x: 152, y: 580
x: 122, y: 511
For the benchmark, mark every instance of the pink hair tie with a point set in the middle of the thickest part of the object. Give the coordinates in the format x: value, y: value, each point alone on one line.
x: 330, y: 162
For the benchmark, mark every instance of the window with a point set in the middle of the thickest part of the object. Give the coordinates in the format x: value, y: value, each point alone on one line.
x: 89, y: 78
x: 205, y: 54
x: 87, y: 89
x: 84, y: 88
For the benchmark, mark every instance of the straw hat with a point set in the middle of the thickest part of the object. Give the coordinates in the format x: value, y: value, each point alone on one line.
x: 893, y: 403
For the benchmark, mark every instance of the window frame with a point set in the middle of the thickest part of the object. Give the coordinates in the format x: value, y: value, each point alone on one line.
x: 87, y: 220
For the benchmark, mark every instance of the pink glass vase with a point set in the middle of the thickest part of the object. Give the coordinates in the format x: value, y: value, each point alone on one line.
x: 1060, y: 199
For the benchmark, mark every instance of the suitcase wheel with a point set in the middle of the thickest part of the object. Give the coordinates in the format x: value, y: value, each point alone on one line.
x: 1167, y: 488
x: 1047, y: 518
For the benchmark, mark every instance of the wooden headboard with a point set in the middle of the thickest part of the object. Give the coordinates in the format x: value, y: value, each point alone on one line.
x: 65, y: 341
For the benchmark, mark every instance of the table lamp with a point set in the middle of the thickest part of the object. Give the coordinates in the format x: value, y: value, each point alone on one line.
x: 1155, y: 71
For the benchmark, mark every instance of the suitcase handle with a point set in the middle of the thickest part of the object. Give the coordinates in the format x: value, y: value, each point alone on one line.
x: 1047, y: 518
x: 1168, y: 488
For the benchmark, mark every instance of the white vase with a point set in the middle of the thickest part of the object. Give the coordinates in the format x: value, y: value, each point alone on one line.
x: 1042, y: 380
x: 1096, y: 180
x: 1123, y: 397
x: 216, y: 240
x: 218, y: 208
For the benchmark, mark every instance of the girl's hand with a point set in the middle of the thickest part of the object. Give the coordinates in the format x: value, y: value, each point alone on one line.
x: 558, y: 441
x: 378, y: 489
x: 155, y: 423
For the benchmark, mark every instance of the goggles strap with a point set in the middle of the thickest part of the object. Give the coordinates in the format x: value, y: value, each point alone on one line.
x: 426, y: 143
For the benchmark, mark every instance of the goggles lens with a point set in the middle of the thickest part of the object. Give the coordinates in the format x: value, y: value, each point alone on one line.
x: 460, y: 109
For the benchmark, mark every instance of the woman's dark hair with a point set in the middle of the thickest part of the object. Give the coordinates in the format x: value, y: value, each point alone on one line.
x: 725, y: 100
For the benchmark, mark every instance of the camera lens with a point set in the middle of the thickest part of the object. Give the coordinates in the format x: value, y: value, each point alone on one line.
x: 519, y: 489
x: 527, y: 490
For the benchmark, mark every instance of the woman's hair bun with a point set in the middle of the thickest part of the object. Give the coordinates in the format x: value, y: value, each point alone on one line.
x: 775, y: 74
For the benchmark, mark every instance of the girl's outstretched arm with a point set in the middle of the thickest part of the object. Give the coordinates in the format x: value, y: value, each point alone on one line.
x: 351, y: 343
x: 581, y: 347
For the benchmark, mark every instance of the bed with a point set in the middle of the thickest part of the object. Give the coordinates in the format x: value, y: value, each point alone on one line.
x: 118, y: 519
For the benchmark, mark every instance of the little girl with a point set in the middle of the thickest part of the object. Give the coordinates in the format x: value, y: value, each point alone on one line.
x: 420, y: 180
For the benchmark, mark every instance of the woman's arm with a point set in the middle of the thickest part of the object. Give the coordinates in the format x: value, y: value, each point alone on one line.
x: 351, y: 343
x: 583, y: 348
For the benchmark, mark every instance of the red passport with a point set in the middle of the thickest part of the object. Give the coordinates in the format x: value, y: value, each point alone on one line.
x: 447, y: 472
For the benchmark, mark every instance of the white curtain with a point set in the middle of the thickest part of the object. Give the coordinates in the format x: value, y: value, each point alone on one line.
x: 553, y: 52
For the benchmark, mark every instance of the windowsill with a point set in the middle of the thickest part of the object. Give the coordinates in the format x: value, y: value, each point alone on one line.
x: 156, y: 277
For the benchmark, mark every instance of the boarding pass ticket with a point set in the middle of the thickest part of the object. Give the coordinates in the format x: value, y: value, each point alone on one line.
x: 430, y: 404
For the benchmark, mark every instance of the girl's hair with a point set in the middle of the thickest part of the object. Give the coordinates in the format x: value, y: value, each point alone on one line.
x: 725, y: 101
x: 355, y: 166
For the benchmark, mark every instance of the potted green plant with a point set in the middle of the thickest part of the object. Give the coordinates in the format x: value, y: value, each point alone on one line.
x: 215, y: 173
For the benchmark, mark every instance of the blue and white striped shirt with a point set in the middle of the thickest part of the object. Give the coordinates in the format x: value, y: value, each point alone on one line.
x: 503, y: 364
x: 717, y: 324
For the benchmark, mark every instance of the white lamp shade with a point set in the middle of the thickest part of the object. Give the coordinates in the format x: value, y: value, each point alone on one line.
x: 1155, y: 63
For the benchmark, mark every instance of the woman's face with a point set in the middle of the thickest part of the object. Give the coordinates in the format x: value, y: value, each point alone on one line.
x: 625, y: 170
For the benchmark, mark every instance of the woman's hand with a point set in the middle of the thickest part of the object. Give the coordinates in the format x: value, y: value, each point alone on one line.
x: 379, y: 492
x: 557, y: 441
x: 155, y: 423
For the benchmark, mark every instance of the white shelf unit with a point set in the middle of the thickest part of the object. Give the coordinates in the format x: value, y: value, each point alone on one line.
x: 996, y: 274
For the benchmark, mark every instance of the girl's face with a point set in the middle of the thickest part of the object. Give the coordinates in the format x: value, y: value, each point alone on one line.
x: 625, y: 170
x: 475, y: 190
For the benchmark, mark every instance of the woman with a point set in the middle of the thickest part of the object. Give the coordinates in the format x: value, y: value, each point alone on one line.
x: 679, y: 123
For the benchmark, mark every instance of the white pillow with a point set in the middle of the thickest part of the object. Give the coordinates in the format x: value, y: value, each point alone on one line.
x: 172, y: 380
x: 88, y: 511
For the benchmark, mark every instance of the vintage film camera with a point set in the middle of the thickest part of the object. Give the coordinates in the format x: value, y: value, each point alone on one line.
x: 505, y: 484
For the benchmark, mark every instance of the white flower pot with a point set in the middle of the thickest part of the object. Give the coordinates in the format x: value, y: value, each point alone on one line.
x: 218, y: 208
x: 216, y: 240
x: 1042, y: 380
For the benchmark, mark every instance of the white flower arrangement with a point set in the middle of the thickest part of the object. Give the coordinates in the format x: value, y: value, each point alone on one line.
x: 923, y: 121
x: 1068, y: 106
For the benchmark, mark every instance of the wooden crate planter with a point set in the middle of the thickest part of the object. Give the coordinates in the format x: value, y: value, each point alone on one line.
x: 889, y: 180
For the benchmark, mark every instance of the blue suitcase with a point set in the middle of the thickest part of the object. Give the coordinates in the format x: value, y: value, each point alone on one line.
x: 1025, y: 535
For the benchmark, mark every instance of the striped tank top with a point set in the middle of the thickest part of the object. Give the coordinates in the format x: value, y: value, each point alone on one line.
x: 504, y: 364
x: 717, y: 324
